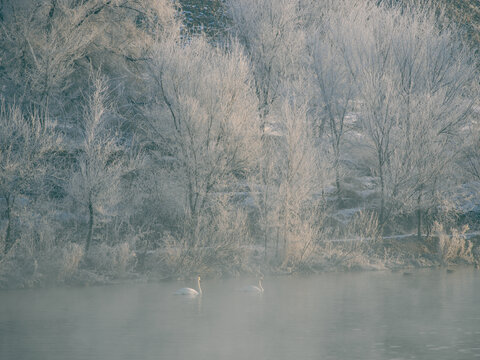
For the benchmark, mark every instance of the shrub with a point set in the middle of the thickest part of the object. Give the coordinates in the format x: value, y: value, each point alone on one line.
x: 219, y: 244
x: 71, y: 256
x: 114, y: 261
x: 455, y: 247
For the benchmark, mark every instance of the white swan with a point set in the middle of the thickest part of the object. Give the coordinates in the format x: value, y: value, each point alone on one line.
x: 190, y: 291
x: 254, y: 289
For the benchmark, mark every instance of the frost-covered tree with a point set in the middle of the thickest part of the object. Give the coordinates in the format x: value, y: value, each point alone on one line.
x: 414, y: 98
x: 100, y: 164
x: 41, y: 45
x: 292, y: 173
x: 204, y: 118
x: 334, y: 83
x: 273, y: 34
x: 302, y: 174
x: 273, y: 37
x: 471, y: 153
x: 48, y: 47
x: 26, y: 142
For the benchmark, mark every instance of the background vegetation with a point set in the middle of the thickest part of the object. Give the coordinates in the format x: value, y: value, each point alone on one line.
x: 155, y: 138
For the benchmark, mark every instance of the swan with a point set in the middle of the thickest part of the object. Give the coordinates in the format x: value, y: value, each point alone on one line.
x: 190, y: 291
x: 254, y: 289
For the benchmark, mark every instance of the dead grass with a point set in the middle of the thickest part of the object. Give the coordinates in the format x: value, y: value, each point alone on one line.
x: 454, y: 247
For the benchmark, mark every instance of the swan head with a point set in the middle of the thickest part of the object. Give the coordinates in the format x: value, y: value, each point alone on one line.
x: 260, y: 283
x: 198, y: 278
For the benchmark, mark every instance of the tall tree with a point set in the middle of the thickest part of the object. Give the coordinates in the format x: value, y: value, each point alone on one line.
x: 204, y: 115
x: 414, y: 95
x: 274, y: 40
x: 302, y: 175
x: 49, y: 47
x: 334, y: 84
x: 96, y: 183
x: 25, y: 142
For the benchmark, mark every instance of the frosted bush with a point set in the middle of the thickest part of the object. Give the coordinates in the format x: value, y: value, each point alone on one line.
x: 72, y: 254
x: 351, y: 255
x: 112, y: 260
x: 455, y: 247
x: 221, y: 244
x: 364, y: 225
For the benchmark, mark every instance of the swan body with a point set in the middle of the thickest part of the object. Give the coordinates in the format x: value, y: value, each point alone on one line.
x: 254, y: 289
x: 187, y: 291
x: 190, y: 291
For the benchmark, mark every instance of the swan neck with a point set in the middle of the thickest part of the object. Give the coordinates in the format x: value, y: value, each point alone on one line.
x: 199, y: 287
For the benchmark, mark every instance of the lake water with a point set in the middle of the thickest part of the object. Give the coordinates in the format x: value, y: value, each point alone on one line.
x: 373, y: 315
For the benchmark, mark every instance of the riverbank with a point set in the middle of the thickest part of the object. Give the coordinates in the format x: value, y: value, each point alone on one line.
x: 112, y: 265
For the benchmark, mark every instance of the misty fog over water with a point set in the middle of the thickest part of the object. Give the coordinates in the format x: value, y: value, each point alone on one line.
x: 429, y: 314
x: 219, y: 140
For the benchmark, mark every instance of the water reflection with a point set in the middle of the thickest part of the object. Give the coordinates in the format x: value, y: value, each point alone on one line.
x: 429, y: 315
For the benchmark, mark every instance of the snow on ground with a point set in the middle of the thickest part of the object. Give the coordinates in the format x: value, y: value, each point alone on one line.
x: 345, y: 215
x: 465, y: 197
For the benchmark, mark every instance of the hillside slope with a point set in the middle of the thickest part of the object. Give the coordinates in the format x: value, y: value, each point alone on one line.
x: 205, y: 15
x: 466, y: 13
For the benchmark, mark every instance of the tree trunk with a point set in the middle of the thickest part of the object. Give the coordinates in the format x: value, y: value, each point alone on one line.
x: 1, y: 10
x: 337, y: 180
x: 265, y: 222
x: 277, y: 239
x: 8, y: 236
x: 90, y: 226
x: 337, y: 184
x: 265, y: 235
x: 381, y: 217
x: 285, y: 232
x: 419, y: 218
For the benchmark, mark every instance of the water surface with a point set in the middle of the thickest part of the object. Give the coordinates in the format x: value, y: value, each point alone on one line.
x: 427, y: 315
